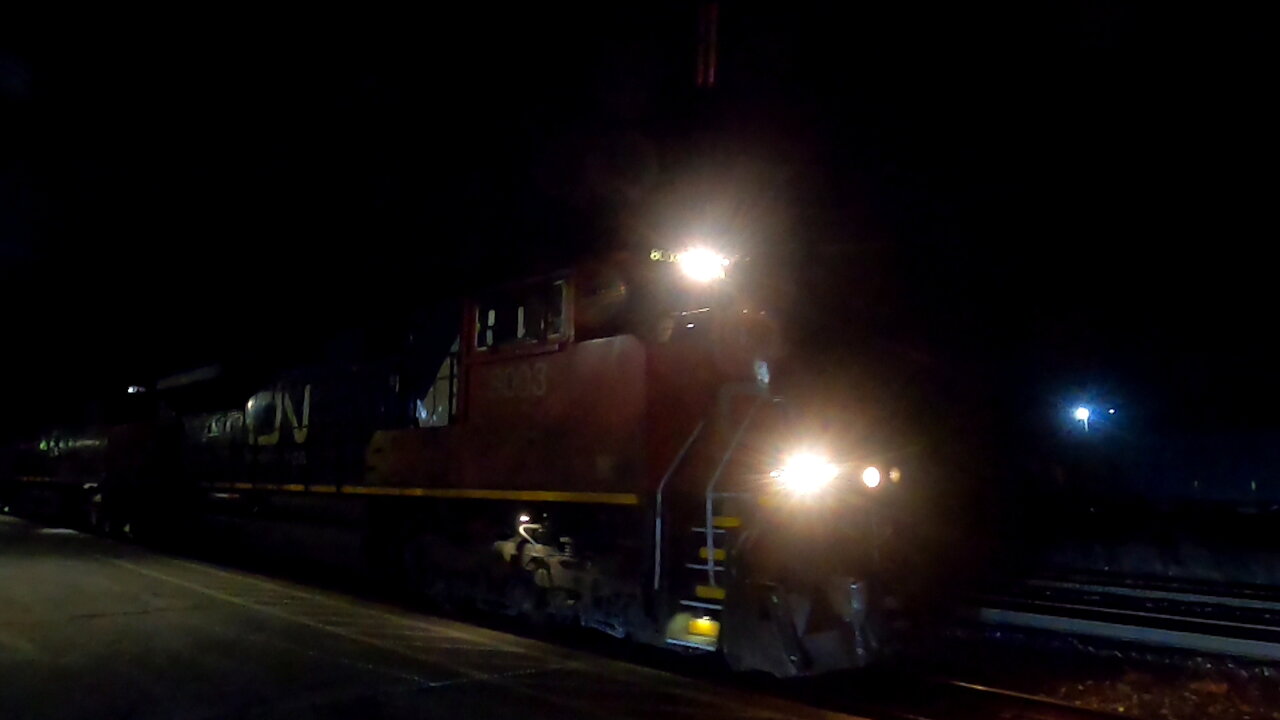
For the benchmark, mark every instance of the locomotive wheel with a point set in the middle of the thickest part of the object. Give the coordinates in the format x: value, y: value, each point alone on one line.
x: 526, y: 593
x: 416, y: 572
x: 95, y: 521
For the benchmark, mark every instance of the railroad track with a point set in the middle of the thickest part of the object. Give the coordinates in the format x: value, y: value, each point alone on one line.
x: 903, y: 695
x: 957, y: 700
x: 1235, y: 620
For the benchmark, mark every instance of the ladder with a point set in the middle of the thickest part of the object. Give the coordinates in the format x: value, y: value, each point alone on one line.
x: 705, y: 603
x: 697, y: 626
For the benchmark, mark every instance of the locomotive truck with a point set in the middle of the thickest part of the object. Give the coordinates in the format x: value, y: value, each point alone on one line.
x: 601, y: 446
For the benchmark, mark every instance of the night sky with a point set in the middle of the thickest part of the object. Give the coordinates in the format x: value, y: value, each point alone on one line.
x: 1025, y: 204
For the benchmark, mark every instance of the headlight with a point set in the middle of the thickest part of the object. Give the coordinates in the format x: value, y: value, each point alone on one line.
x: 805, y: 473
x: 702, y: 265
x: 871, y: 476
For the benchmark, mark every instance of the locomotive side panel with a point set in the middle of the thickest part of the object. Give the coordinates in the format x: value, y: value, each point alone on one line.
x: 568, y: 420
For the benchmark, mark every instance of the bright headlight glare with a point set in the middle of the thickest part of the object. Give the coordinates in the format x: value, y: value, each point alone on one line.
x: 702, y: 265
x: 806, y: 473
x: 871, y: 476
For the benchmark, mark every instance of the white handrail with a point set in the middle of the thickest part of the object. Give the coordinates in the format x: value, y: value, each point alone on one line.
x: 657, y: 522
x: 711, y: 487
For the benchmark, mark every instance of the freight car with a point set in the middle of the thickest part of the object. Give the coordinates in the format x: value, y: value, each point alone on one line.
x: 600, y: 446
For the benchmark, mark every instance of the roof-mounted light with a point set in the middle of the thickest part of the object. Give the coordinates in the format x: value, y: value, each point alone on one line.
x: 702, y: 265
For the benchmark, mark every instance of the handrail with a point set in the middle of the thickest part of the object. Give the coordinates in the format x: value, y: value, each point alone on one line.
x: 657, y: 522
x: 711, y: 486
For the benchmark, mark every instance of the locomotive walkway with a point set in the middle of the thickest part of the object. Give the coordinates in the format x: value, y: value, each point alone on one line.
x: 90, y: 628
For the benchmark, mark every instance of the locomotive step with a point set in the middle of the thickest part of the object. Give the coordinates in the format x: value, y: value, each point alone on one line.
x: 709, y: 592
x: 708, y: 647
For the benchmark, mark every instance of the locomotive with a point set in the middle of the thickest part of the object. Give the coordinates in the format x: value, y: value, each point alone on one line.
x: 601, y: 446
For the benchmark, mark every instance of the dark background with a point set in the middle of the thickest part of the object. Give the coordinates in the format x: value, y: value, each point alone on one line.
x: 998, y: 211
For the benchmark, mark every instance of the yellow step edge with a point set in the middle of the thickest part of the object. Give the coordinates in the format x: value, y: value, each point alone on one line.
x: 726, y: 521
x: 709, y: 592
x: 718, y: 555
x: 704, y: 627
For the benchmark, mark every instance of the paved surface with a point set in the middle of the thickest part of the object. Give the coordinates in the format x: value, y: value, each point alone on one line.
x: 91, y: 628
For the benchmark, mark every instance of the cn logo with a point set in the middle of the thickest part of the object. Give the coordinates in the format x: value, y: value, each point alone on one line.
x: 266, y: 411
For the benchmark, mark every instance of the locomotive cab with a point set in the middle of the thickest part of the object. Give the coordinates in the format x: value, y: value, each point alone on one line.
x: 653, y: 384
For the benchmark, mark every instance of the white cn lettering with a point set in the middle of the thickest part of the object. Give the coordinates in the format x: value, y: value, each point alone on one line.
x: 299, y: 428
x: 284, y: 408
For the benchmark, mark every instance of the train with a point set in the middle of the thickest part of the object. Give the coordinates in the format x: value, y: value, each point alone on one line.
x: 601, y: 446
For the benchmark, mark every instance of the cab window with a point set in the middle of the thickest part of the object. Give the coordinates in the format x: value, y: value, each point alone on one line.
x: 440, y: 404
x: 526, y: 315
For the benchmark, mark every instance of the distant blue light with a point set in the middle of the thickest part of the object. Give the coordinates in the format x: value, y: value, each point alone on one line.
x: 1082, y: 414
